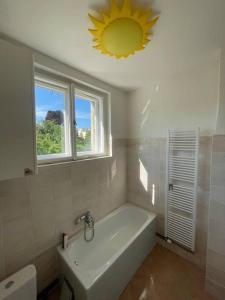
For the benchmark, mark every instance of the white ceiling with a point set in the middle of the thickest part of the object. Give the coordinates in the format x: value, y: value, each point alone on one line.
x: 187, y: 31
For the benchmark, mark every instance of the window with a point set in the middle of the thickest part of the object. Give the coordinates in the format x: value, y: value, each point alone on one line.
x: 88, y: 117
x: 52, y: 121
x: 70, y: 121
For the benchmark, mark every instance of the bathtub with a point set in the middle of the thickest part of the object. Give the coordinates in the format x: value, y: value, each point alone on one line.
x: 101, y: 269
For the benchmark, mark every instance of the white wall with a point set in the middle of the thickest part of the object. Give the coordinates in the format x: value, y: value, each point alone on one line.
x: 189, y: 99
x: 220, y: 129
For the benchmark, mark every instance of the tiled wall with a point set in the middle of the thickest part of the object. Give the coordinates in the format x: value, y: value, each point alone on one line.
x: 146, y: 187
x: 146, y: 171
x: 34, y: 211
x: 215, y: 271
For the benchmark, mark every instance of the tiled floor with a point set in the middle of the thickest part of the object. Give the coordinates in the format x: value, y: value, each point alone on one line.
x: 164, y: 276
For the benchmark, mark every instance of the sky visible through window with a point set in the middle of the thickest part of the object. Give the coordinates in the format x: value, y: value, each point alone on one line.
x: 48, y: 99
x: 83, y: 113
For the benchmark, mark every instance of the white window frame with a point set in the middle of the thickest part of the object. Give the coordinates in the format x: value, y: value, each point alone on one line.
x: 102, y: 104
x: 98, y: 120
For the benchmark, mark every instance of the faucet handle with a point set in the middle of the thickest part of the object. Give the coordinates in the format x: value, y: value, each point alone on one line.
x: 82, y: 217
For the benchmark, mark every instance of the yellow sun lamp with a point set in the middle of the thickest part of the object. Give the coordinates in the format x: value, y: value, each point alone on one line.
x: 122, y: 31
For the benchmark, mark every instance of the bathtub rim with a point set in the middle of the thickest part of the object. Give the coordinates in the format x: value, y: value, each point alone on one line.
x: 64, y: 253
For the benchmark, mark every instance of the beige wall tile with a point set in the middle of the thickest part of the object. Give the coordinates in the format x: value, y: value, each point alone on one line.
x: 205, y: 157
x: 2, y: 267
x: 216, y: 240
x: 216, y: 243
x: 218, y: 193
x: 17, y: 232
x: 219, y: 143
x: 214, y: 289
x: 202, y: 211
x: 43, y: 212
x: 217, y: 212
x: 216, y: 275
x: 218, y: 167
x: 81, y: 200
x: 47, y: 268
x: 62, y: 189
x: 44, y: 236
x: 204, y: 172
x: 63, y: 209
x: 41, y: 191
x: 55, y: 173
x: 15, y: 202
x: 18, y: 241
x: 2, y: 255
x: 14, y: 187
x: 216, y: 259
x: 1, y: 235
x: 1, y: 209
x: 15, y: 207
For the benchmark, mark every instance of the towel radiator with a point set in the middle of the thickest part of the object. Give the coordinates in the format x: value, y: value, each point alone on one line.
x: 181, y: 186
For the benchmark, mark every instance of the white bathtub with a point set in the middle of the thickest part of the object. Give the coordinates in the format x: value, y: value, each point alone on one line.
x: 101, y: 269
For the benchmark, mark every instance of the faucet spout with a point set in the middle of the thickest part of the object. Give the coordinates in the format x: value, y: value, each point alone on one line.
x: 86, y: 217
x: 89, y: 224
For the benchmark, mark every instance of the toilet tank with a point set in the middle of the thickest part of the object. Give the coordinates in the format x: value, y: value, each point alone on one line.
x: 20, y: 286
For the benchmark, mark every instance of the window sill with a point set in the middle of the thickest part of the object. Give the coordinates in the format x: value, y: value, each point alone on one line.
x: 72, y: 161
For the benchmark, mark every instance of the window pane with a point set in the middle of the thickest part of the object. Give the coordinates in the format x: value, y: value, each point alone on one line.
x: 85, y: 125
x: 50, y: 112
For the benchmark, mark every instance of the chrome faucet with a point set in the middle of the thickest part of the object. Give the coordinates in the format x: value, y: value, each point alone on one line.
x: 86, y: 217
x: 89, y: 224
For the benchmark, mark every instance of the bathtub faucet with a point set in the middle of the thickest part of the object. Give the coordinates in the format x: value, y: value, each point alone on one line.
x: 86, y: 217
x: 89, y: 225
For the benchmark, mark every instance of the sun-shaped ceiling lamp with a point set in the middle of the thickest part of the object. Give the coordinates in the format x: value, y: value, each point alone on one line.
x: 122, y: 30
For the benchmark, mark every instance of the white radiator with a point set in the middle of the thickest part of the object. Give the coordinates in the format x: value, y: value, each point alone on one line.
x: 181, y: 186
